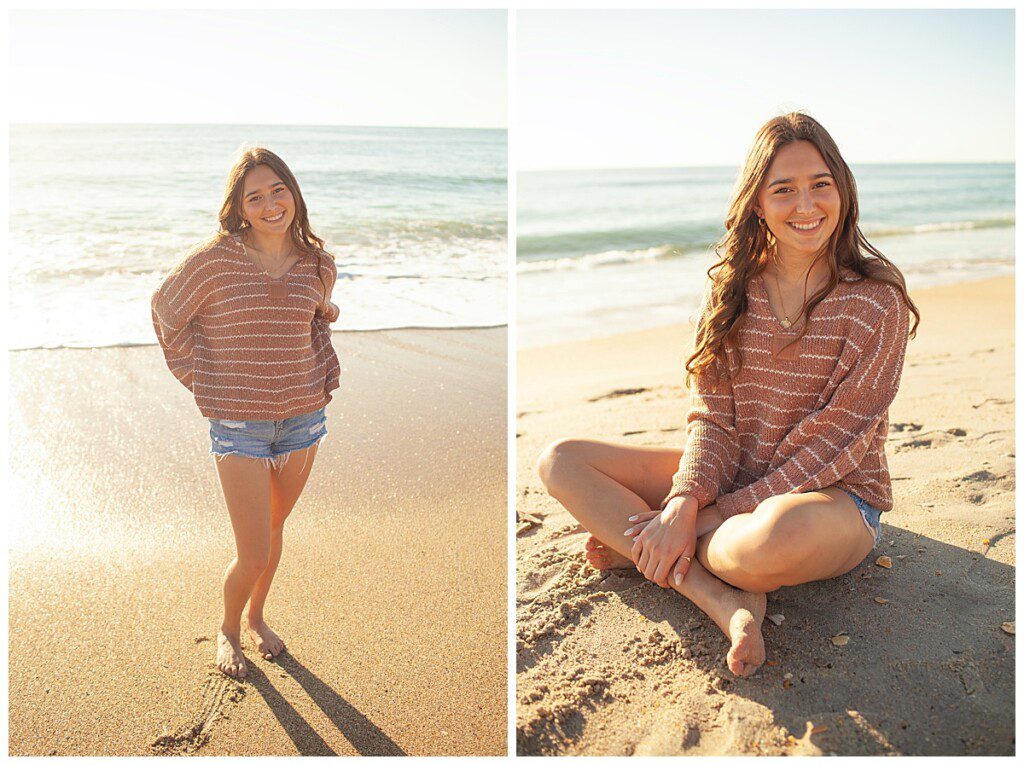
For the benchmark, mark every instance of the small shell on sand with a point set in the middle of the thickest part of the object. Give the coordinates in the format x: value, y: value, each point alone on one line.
x: 1010, y: 628
x: 881, y: 601
x: 840, y: 640
x: 776, y: 619
x: 884, y: 561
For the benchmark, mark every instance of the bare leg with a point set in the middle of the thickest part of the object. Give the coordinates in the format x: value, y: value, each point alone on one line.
x: 789, y: 539
x: 286, y: 485
x: 246, y: 486
x: 604, y: 558
x: 603, y: 484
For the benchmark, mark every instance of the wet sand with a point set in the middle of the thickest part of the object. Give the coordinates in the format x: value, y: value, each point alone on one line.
x: 390, y: 595
x: 610, y: 664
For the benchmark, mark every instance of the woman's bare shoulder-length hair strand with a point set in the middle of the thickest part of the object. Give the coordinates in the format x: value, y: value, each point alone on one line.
x: 744, y: 250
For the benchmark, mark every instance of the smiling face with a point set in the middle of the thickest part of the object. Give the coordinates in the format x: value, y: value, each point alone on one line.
x: 267, y: 204
x: 799, y: 200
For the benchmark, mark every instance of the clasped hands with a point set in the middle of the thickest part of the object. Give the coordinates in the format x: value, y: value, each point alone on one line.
x: 665, y: 541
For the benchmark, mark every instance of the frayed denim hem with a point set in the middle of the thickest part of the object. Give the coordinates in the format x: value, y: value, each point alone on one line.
x: 277, y: 462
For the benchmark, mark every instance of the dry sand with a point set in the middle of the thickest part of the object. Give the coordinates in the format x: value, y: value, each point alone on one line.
x: 612, y: 664
x: 391, y: 593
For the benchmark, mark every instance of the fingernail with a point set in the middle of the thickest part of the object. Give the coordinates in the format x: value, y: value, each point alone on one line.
x: 679, y: 578
x: 633, y: 517
x: 627, y: 532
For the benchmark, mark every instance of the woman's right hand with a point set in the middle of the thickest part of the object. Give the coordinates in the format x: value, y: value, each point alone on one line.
x: 666, y: 541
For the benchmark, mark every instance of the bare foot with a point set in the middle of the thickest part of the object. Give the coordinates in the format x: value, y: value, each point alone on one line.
x: 265, y: 639
x: 230, y: 659
x: 604, y: 558
x: 747, y: 651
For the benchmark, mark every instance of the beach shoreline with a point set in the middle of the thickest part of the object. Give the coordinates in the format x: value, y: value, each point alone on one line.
x: 582, y: 303
x: 608, y: 664
x: 395, y: 625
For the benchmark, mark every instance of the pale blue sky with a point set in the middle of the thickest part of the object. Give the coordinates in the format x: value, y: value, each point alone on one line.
x: 687, y: 87
x: 323, y: 67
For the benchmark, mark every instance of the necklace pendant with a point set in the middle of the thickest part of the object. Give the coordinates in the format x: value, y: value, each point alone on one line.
x: 278, y: 290
x: 786, y: 323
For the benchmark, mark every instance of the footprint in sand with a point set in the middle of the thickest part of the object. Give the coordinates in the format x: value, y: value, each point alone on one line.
x: 901, y: 427
x: 929, y: 439
x: 997, y: 401
x: 641, y: 432
x: 987, y: 477
x: 929, y: 361
x: 982, y: 481
x: 526, y: 521
x: 219, y: 694
x: 536, y: 583
x: 619, y: 392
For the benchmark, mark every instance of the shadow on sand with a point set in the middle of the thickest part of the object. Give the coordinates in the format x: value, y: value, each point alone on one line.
x: 929, y: 672
x: 364, y: 735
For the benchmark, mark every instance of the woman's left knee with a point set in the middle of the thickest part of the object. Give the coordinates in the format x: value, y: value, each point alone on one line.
x: 782, y: 516
x: 782, y: 540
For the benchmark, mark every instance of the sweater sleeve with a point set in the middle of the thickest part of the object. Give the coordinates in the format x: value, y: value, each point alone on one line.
x: 173, y: 306
x: 711, y: 454
x: 829, y: 443
x: 326, y: 313
x: 329, y: 271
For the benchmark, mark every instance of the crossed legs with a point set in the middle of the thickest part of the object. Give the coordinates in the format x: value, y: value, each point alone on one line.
x: 259, y: 500
x: 787, y: 540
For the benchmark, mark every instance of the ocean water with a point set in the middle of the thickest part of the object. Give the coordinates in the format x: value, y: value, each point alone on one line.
x: 416, y: 219
x: 606, y: 251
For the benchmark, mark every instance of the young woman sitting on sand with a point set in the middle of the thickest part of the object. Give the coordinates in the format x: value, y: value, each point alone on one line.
x: 243, y: 321
x: 799, y: 348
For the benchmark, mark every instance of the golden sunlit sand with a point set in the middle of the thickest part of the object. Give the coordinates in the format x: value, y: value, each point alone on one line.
x: 390, y: 596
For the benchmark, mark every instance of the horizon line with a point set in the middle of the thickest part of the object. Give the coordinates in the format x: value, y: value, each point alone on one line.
x: 734, y: 166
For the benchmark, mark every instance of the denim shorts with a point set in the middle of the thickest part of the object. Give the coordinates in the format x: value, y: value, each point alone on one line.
x: 270, y: 440
x: 870, y: 515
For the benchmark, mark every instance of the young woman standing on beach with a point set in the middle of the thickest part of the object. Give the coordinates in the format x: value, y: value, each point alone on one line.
x: 243, y: 321
x: 798, y: 353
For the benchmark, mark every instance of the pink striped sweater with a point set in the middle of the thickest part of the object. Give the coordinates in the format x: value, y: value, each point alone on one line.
x: 244, y: 354
x: 814, y: 416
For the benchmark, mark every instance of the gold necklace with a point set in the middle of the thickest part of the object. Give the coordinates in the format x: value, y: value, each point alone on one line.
x: 276, y: 289
x: 785, y: 321
x: 283, y: 260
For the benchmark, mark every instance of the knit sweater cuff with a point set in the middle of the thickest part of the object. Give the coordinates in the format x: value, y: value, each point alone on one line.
x: 682, y: 486
x: 735, y: 503
x: 330, y: 313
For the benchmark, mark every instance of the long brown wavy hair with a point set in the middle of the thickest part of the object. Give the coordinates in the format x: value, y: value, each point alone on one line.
x: 230, y: 217
x: 745, y: 249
